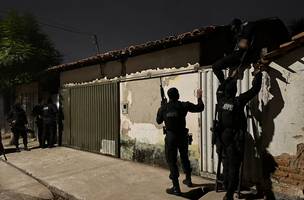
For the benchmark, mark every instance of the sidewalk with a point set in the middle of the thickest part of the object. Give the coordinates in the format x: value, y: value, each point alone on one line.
x: 15, y: 185
x: 89, y: 176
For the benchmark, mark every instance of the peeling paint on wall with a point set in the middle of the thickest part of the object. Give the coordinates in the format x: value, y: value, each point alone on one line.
x: 288, y: 121
x: 142, y: 138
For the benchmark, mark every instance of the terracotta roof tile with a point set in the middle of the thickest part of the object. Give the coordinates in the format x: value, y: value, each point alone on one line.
x: 134, y: 50
x: 297, y: 40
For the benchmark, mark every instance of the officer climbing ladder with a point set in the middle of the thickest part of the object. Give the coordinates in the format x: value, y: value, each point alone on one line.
x: 230, y: 122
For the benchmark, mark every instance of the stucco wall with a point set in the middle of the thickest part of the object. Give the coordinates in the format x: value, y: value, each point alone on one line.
x: 171, y: 57
x: 142, y: 138
x: 112, y: 69
x: 279, y: 125
x: 283, y: 116
x: 80, y: 75
x: 285, y: 119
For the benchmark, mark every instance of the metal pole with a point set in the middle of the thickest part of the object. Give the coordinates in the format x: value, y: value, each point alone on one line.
x: 96, y: 43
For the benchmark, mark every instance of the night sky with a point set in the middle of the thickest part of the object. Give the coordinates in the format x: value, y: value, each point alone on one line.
x: 119, y: 24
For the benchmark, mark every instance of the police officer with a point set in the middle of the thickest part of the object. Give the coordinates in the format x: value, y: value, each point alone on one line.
x: 242, y: 37
x: 18, y: 121
x: 37, y: 113
x: 1, y: 146
x: 60, y: 121
x: 233, y: 125
x: 174, y: 114
x: 49, y: 123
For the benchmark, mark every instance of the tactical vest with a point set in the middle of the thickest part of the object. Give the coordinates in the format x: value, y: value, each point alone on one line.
x: 174, y: 116
x: 49, y: 113
x: 19, y: 117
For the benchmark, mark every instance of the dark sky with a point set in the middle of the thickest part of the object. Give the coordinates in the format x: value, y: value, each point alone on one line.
x: 122, y: 23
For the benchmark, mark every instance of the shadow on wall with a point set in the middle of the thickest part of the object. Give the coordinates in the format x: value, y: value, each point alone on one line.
x: 260, y: 164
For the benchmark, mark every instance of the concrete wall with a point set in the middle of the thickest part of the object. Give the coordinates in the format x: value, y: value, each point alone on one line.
x: 172, y: 57
x: 80, y: 75
x: 142, y: 138
x: 279, y: 124
x: 112, y: 69
x: 283, y: 121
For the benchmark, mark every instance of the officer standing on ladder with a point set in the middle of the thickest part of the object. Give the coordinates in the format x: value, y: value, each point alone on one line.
x: 233, y: 126
x: 243, y: 36
x: 174, y: 114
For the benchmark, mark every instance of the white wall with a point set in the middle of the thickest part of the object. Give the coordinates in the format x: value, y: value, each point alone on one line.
x: 287, y: 106
x: 143, y: 99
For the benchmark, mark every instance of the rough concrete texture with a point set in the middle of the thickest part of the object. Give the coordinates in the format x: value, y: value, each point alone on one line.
x: 15, y: 185
x: 141, y: 138
x: 90, y: 176
x: 74, y: 175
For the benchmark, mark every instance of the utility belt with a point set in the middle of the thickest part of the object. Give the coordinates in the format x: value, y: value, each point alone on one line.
x: 177, y: 132
x: 18, y: 128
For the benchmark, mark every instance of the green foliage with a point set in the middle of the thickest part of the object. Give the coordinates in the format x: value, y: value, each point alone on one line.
x: 24, y: 50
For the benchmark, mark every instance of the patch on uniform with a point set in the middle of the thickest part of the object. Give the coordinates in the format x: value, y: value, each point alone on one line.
x: 172, y: 114
x: 228, y: 107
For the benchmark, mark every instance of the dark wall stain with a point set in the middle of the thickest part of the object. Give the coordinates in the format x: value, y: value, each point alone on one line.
x: 151, y: 154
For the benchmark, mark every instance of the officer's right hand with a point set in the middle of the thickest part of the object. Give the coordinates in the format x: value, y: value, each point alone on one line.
x: 199, y: 93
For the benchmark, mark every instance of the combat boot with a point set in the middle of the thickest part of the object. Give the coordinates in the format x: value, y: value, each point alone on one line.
x: 175, y: 189
x: 188, y: 180
x: 228, y: 197
x: 26, y: 148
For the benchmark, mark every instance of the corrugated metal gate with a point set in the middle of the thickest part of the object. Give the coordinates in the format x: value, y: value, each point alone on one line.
x: 209, y: 84
x: 91, y: 118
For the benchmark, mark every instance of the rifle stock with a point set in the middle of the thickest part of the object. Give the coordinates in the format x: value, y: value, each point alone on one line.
x: 163, y: 100
x: 162, y: 93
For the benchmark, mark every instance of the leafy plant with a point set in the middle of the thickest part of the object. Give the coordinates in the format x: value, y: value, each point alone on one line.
x: 24, y: 50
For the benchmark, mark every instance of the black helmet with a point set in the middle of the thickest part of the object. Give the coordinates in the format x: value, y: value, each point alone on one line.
x: 235, y: 25
x: 173, y: 94
x: 17, y: 106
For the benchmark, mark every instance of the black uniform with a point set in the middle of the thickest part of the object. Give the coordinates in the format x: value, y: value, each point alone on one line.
x: 49, y: 124
x: 38, y: 112
x: 234, y: 59
x: 233, y: 125
x: 17, y: 119
x: 60, y: 125
x: 174, y: 114
x: 1, y: 146
x: 267, y: 33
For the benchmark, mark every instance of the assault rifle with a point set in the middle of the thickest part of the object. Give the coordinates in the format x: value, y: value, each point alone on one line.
x: 163, y: 100
x: 214, y: 130
x: 162, y: 93
x: 215, y: 137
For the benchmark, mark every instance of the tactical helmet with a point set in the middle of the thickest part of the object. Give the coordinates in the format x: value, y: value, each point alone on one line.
x: 236, y: 25
x: 173, y: 94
